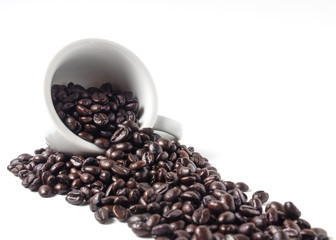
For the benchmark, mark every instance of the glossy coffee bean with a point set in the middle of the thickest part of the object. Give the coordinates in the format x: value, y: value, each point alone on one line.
x: 46, y: 191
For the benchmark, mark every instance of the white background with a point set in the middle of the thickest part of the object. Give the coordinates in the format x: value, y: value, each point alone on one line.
x: 253, y: 83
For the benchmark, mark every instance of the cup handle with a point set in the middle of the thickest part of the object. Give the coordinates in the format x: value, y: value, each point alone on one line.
x: 169, y: 126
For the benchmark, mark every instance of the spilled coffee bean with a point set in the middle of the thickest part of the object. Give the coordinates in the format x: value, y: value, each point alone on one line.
x: 161, y: 188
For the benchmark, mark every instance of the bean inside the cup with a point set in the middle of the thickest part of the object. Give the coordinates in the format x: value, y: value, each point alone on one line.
x: 99, y: 115
x: 161, y: 188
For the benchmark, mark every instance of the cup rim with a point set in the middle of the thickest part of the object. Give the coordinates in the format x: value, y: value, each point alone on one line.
x: 56, y: 62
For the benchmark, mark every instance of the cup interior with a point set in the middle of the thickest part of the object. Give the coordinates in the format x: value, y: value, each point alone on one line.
x: 92, y: 62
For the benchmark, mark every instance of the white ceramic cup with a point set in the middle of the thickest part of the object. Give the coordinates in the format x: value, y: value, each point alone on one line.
x: 91, y: 62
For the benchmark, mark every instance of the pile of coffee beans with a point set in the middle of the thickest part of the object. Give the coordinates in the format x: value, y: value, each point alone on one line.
x: 161, y: 188
x: 95, y: 114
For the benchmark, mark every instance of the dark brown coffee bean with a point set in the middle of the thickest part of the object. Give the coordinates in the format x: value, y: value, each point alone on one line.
x: 102, y: 142
x: 61, y: 188
x: 246, y: 228
x: 99, y: 97
x: 263, y: 196
x: 276, y: 205
x: 218, y: 236
x: 140, y: 229
x: 162, y: 230
x: 153, y: 220
x: 56, y: 168
x: 149, y: 195
x: 303, y: 224
x: 100, y: 119
x: 191, y: 196
x: 106, y: 163
x: 120, y: 170
x: 201, y: 216
x: 46, y: 191
x: 83, y: 111
x: 203, y: 233
x: 280, y: 235
x: 86, y: 136
x: 75, y: 197
x: 291, y: 210
x: 248, y: 211
x: 172, y: 194
x: 120, y: 212
x: 102, y: 215
x: 226, y: 218
x: 216, y: 207
x: 242, y: 186
x: 173, y: 214
x: 87, y: 178
x: 35, y: 184
x: 120, y: 134
x: 137, y: 165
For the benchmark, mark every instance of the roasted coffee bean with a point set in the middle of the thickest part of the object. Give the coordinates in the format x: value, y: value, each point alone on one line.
x: 137, y: 218
x: 61, y: 188
x: 120, y: 212
x: 46, y: 191
x: 276, y: 205
x: 99, y: 97
x: 248, y: 211
x: 242, y: 186
x: 75, y: 197
x: 35, y: 184
x: 216, y: 207
x: 87, y: 178
x: 191, y: 196
x: 91, y: 169
x: 140, y: 229
x: 246, y: 228
x: 28, y: 180
x: 291, y: 210
x: 120, y: 170
x: 153, y: 220
x: 120, y: 134
x: 263, y: 196
x: 226, y: 218
x: 137, y: 165
x: 172, y: 194
x: 86, y: 136
x: 173, y: 214
x: 102, y: 142
x: 162, y: 230
x: 203, y: 233
x: 201, y: 216
x: 102, y: 215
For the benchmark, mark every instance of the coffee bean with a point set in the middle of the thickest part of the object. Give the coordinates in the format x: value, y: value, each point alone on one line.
x: 263, y: 196
x: 75, y: 197
x: 291, y: 210
x: 120, y: 134
x: 83, y: 111
x: 153, y: 220
x: 100, y: 119
x: 46, y: 191
x: 120, y: 170
x: 203, y: 233
x: 102, y: 215
x: 140, y: 229
x: 102, y: 142
x: 201, y: 216
x: 173, y: 214
x: 87, y: 178
x: 162, y: 230
x: 120, y: 212
x: 242, y: 186
x: 226, y: 218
